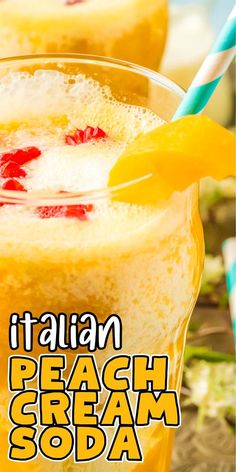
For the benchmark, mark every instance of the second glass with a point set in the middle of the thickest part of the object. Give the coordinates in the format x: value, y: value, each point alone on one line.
x: 133, y: 30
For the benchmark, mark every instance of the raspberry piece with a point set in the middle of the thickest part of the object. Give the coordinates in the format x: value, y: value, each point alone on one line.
x: 73, y: 2
x: 76, y: 138
x: 67, y: 211
x: 21, y: 156
x: 12, y: 169
x: 100, y: 134
x: 89, y: 134
x: 93, y: 133
x: 45, y: 212
x: 78, y: 211
x: 85, y: 136
x: 27, y: 154
x: 70, y: 140
x: 79, y: 136
x: 13, y: 184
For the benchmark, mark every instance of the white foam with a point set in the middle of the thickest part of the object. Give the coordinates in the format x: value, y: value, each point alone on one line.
x: 47, y: 106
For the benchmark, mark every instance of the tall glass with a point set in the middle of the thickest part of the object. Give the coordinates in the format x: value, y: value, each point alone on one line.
x: 145, y: 268
x: 133, y: 30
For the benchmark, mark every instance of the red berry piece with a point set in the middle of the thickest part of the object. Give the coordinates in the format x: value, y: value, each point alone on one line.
x: 100, y: 134
x: 46, y: 212
x: 93, y: 133
x: 69, y: 211
x: 70, y: 140
x: 12, y: 169
x: 13, y: 184
x: 73, y: 2
x: 76, y: 138
x: 21, y: 156
x: 79, y: 136
x: 79, y: 211
x: 89, y: 134
x: 85, y: 136
x: 27, y: 154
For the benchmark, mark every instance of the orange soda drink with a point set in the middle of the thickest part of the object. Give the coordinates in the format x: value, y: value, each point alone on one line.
x: 69, y: 244
x: 133, y: 30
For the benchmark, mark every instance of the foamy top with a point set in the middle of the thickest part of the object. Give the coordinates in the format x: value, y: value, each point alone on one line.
x: 41, y: 109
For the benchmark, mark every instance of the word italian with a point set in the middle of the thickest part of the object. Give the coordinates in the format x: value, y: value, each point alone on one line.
x: 64, y: 332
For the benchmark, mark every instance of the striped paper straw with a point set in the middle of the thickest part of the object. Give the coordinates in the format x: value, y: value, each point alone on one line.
x: 229, y: 253
x: 211, y: 71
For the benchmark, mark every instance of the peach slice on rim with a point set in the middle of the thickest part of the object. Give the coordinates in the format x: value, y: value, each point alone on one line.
x: 172, y: 157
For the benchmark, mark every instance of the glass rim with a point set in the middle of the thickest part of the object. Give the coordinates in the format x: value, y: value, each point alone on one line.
x: 36, y: 198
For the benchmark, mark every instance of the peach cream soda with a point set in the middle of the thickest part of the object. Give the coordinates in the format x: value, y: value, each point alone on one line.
x: 142, y: 262
x: 133, y: 30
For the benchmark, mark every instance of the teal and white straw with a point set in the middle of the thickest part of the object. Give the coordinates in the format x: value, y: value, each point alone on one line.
x: 211, y: 71
x: 229, y: 252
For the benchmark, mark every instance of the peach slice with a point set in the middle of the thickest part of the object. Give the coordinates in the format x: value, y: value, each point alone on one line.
x: 172, y: 157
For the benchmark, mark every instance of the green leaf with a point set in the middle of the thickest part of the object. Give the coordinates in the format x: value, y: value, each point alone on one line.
x: 203, y: 353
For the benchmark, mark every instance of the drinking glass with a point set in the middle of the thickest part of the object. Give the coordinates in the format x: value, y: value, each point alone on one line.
x: 142, y: 263
x: 133, y: 30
